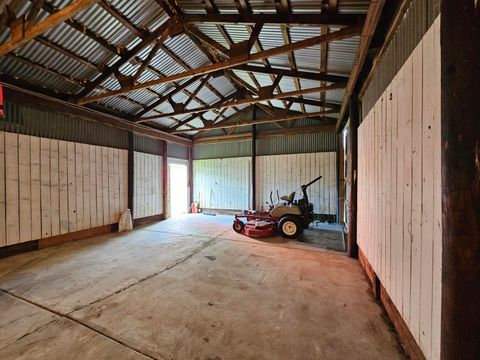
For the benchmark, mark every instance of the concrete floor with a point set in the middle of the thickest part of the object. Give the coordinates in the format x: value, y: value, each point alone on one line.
x: 189, y: 288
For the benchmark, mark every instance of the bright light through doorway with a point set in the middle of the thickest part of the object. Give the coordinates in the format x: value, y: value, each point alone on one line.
x: 178, y: 196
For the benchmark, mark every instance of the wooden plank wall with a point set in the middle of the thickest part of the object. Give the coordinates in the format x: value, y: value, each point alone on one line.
x: 51, y: 187
x: 147, y: 199
x: 286, y: 173
x: 399, y: 192
x: 222, y: 183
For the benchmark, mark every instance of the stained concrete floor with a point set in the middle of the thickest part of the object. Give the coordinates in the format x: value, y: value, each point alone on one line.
x: 189, y: 288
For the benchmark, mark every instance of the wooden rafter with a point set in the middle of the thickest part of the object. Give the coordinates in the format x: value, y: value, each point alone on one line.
x: 310, y: 129
x: 338, y: 35
x: 292, y: 19
x: 149, y: 58
x: 251, y: 100
x: 213, y: 57
x: 161, y: 32
x: 207, y: 40
x: 291, y: 58
x: 373, y: 16
x: 21, y: 34
x: 249, y: 122
x: 195, y: 92
x: 244, y: 8
x: 292, y: 73
x: 122, y: 19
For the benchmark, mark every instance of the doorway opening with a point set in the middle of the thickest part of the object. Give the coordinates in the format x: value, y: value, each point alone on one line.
x: 178, y: 189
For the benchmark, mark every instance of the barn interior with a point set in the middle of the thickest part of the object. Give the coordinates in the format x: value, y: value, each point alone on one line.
x: 245, y: 179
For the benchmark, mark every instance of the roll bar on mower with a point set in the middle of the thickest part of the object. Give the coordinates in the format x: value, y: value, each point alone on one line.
x: 305, y: 187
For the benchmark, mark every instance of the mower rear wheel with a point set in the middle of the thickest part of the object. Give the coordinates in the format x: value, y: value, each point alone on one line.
x: 238, y: 226
x: 289, y: 227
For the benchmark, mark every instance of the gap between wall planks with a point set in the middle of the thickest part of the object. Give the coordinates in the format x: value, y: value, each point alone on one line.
x: 399, y: 218
x: 51, y: 187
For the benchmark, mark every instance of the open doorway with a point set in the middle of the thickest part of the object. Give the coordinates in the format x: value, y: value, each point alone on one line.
x: 177, y: 189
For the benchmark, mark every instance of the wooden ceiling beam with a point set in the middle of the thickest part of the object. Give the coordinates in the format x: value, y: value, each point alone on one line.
x: 27, y: 33
x: 33, y: 13
x: 291, y: 58
x: 292, y: 73
x: 327, y: 127
x: 373, y: 16
x: 162, y: 31
x: 241, y: 82
x: 291, y: 19
x: 195, y: 92
x: 250, y: 100
x: 149, y: 58
x: 74, y: 24
x: 317, y: 40
x: 56, y: 47
x: 320, y: 103
x: 213, y: 57
x: 265, y: 134
x: 207, y: 40
x: 122, y: 19
x: 165, y: 97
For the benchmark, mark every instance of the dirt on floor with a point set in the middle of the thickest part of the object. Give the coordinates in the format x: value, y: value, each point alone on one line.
x: 189, y: 288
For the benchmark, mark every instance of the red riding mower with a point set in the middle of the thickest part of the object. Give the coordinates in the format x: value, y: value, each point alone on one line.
x: 289, y: 219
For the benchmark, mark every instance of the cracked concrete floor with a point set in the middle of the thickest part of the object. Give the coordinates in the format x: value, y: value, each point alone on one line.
x: 189, y: 288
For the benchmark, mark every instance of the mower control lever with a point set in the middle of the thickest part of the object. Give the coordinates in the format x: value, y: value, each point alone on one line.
x: 311, y: 182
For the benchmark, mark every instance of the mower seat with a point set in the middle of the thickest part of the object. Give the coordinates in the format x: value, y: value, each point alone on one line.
x: 289, y: 198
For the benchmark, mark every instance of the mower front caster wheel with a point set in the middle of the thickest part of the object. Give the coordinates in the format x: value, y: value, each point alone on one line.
x: 289, y: 227
x: 238, y: 226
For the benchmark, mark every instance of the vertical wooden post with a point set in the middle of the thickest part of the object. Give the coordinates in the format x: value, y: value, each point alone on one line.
x: 190, y: 174
x: 165, y: 179
x: 254, y: 157
x: 352, y: 247
x: 340, y: 180
x: 131, y: 174
x: 460, y: 139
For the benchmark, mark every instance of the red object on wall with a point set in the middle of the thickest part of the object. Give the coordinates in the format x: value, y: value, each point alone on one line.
x: 1, y: 101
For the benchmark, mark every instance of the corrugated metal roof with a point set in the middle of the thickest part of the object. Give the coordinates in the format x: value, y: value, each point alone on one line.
x: 58, y: 71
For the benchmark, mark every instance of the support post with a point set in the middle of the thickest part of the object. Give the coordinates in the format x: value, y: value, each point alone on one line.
x: 254, y: 158
x: 190, y: 174
x: 460, y: 141
x: 165, y: 179
x: 131, y: 175
x: 352, y: 247
x: 339, y: 174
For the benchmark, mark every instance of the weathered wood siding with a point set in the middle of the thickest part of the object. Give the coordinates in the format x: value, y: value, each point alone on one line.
x: 222, y: 183
x: 286, y: 173
x: 51, y: 187
x: 399, y: 191
x: 147, y: 198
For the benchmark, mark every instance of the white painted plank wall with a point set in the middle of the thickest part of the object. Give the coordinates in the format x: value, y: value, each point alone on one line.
x: 222, y: 183
x: 399, y: 191
x: 147, y: 198
x: 288, y: 172
x: 50, y: 187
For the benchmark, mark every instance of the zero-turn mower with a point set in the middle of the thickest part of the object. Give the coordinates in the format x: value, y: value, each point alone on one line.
x: 289, y: 218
